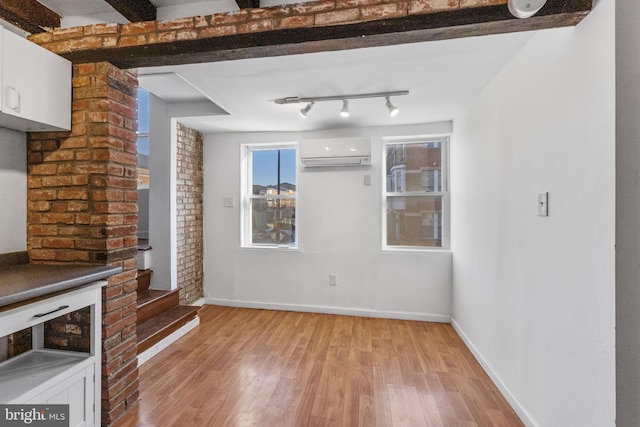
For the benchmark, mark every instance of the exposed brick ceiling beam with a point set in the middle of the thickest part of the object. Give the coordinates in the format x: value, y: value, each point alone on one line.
x: 135, y: 10
x: 199, y: 40
x: 248, y: 4
x: 29, y: 15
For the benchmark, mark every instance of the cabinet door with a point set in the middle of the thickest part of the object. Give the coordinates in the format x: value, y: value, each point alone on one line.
x: 36, y: 85
x: 77, y: 392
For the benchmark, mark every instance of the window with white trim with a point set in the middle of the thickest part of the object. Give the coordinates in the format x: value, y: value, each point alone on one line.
x: 416, y: 197
x: 270, y: 196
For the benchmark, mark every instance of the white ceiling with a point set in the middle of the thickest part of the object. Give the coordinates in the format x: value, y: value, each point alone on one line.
x: 86, y: 12
x: 442, y: 78
x: 66, y: 8
x: 77, y: 7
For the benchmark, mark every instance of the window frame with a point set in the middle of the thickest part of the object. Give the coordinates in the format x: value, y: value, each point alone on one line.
x: 143, y: 173
x: 443, y: 193
x: 246, y: 195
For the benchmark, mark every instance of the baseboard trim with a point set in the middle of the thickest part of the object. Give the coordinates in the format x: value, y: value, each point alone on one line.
x: 146, y: 355
x: 344, y: 311
x: 524, y: 415
x: 199, y: 302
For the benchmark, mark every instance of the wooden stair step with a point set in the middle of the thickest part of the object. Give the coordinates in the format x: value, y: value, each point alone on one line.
x: 144, y: 279
x: 154, y: 302
x: 155, y: 329
x: 143, y: 245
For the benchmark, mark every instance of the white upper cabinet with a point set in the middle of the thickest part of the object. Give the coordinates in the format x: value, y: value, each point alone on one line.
x: 36, y: 86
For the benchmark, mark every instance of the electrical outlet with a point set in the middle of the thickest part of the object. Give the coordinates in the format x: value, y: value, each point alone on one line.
x: 333, y: 279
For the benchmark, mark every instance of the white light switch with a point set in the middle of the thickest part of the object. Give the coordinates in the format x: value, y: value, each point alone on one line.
x: 333, y: 279
x: 367, y: 180
x: 228, y: 202
x: 543, y: 204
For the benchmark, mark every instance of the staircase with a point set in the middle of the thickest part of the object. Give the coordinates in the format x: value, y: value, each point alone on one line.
x: 159, y: 313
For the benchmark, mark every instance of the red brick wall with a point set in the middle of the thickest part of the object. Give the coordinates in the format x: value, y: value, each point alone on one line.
x: 69, y: 332
x: 16, y: 344
x: 312, y: 14
x: 189, y: 214
x: 82, y: 207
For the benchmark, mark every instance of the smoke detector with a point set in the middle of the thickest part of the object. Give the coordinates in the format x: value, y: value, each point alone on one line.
x: 525, y: 8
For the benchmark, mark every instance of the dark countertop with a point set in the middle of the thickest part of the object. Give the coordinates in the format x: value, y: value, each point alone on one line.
x: 23, y: 282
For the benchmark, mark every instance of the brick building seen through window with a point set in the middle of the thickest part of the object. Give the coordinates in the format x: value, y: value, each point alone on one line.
x: 416, y: 193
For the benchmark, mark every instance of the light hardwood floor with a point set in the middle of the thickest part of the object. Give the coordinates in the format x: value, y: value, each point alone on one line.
x: 245, y: 367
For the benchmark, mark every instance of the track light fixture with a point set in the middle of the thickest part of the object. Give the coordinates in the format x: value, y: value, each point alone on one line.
x: 305, y: 111
x: 393, y: 110
x: 345, y: 108
x: 344, y: 112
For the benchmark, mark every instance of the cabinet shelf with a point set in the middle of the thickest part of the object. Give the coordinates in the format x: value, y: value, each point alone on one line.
x: 22, y: 376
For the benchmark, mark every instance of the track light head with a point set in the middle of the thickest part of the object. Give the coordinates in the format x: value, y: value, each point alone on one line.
x: 393, y: 110
x: 305, y: 111
x: 345, y: 109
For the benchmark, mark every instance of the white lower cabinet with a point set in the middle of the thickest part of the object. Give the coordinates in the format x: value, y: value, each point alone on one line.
x: 45, y: 376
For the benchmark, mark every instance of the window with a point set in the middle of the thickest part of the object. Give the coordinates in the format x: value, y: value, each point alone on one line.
x: 270, y: 196
x: 416, y: 197
x: 143, y: 138
x: 431, y: 180
x: 431, y: 225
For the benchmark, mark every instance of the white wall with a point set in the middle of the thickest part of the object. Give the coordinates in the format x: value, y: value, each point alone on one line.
x: 143, y: 213
x: 162, y: 195
x: 339, y: 231
x: 534, y: 296
x: 13, y: 191
x: 627, y: 213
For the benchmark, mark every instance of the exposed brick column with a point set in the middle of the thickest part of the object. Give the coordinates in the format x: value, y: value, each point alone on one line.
x: 82, y: 208
x: 189, y: 214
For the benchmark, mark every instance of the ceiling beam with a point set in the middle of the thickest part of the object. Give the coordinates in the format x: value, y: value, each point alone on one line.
x: 29, y: 15
x: 135, y: 10
x: 469, y: 22
x: 248, y: 4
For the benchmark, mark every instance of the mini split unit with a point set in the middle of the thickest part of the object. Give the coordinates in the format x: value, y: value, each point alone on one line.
x: 335, y: 152
x: 525, y: 8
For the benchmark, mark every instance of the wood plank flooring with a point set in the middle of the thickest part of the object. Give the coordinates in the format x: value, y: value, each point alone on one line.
x: 245, y: 367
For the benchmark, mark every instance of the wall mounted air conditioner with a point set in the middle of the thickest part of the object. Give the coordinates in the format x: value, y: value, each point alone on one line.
x: 316, y: 153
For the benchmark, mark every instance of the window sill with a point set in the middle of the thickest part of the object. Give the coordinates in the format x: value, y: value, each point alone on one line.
x: 392, y: 249
x: 272, y: 248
